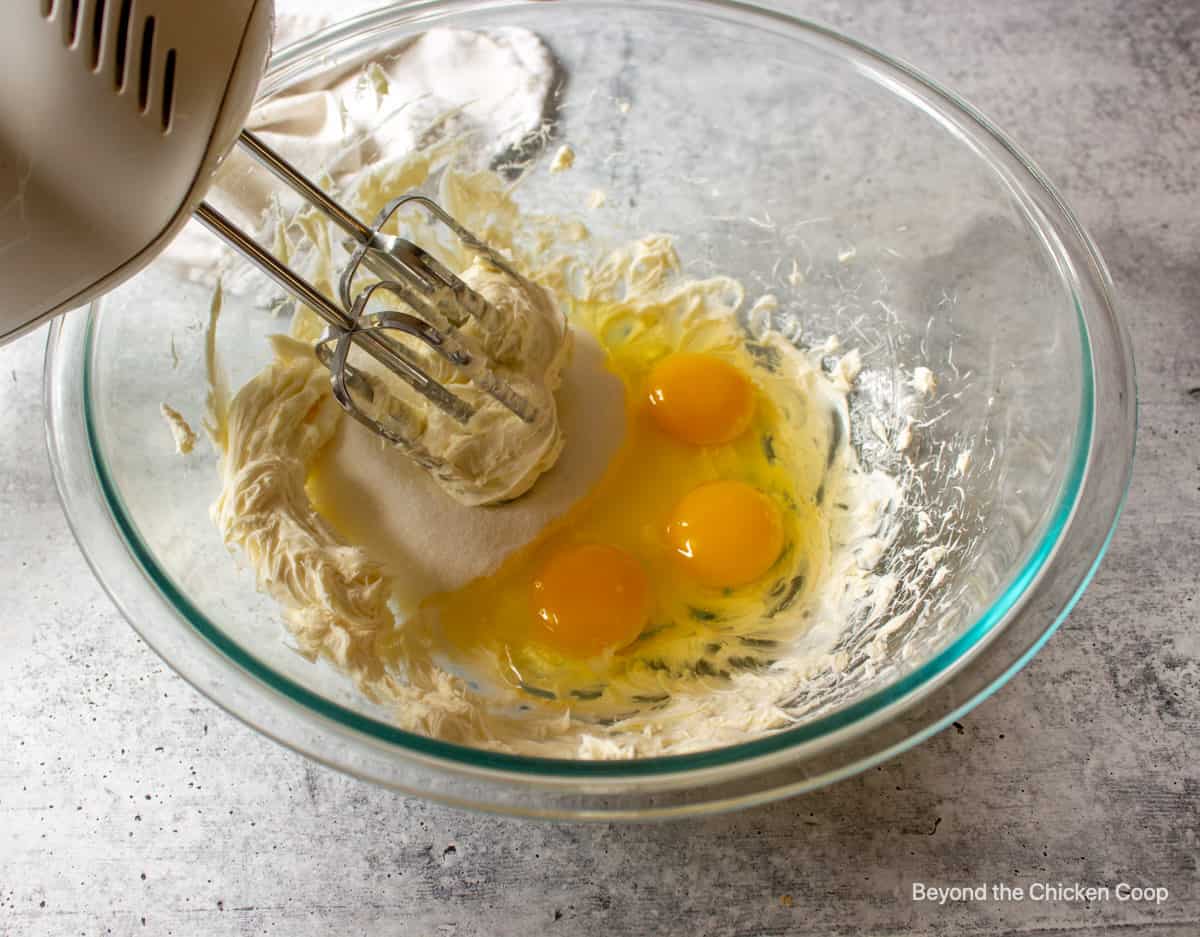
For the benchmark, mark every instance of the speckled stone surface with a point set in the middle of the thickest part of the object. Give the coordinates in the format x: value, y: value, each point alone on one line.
x: 130, y: 805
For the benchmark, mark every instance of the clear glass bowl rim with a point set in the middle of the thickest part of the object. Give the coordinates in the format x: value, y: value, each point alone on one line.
x: 863, y: 714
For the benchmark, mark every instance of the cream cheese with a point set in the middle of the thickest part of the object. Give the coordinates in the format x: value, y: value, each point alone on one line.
x: 181, y: 431
x: 524, y: 342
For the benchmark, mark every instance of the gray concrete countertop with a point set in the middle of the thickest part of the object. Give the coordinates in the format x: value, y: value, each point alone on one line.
x: 131, y: 805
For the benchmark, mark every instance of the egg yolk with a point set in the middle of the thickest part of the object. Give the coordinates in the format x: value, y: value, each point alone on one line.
x: 700, y: 399
x: 726, y: 533
x: 590, y: 597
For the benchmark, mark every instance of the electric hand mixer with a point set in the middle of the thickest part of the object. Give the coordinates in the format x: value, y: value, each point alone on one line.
x: 114, y: 116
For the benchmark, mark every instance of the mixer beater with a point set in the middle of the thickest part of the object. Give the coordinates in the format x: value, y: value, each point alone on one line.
x: 436, y: 304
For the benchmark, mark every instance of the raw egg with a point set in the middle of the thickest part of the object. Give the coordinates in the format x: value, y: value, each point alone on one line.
x: 726, y: 533
x: 590, y: 598
x: 700, y: 399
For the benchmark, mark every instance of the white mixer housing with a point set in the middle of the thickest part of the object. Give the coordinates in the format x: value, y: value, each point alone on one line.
x: 114, y: 114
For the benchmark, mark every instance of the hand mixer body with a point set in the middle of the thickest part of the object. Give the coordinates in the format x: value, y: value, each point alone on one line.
x: 114, y: 115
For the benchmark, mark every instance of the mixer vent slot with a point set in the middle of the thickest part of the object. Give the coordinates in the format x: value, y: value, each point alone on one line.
x: 47, y: 8
x: 97, y: 32
x: 72, y: 22
x: 168, y: 90
x: 144, y: 67
x: 124, y: 21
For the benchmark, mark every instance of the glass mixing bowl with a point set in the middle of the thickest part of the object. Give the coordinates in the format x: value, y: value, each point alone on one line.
x: 922, y: 235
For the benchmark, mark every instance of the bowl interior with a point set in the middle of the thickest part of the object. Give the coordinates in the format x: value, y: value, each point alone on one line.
x: 772, y: 153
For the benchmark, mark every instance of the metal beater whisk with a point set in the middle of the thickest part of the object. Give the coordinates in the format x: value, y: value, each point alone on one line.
x: 436, y: 304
